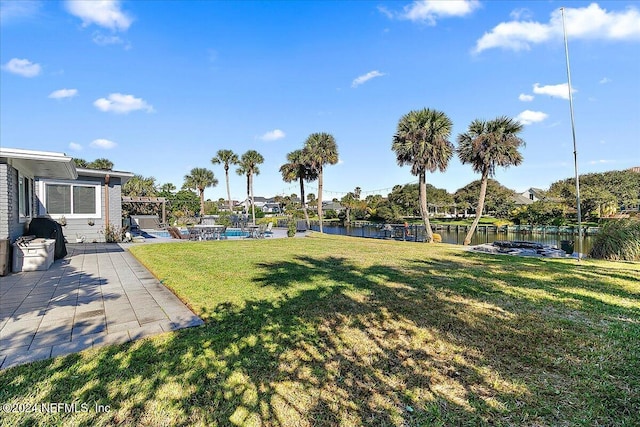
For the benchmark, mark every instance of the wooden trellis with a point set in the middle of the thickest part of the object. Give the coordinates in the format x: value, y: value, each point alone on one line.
x: 146, y: 201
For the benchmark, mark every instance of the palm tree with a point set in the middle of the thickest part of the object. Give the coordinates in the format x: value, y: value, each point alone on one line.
x: 139, y: 185
x: 485, y: 145
x: 167, y: 188
x: 320, y: 149
x: 226, y: 157
x: 102, y: 164
x: 248, y: 165
x: 422, y: 141
x: 298, y: 169
x: 199, y: 179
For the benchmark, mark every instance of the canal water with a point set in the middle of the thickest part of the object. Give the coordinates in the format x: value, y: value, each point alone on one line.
x: 417, y: 234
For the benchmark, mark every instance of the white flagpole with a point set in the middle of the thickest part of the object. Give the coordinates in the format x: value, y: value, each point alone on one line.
x: 573, y: 132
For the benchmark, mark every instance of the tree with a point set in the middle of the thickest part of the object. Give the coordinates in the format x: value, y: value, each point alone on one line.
x: 199, y: 179
x: 422, y: 141
x: 499, y: 199
x: 600, y: 193
x: 167, y: 188
x: 184, y: 203
x: 102, y: 164
x: 298, y: 169
x: 80, y: 163
x: 406, y: 199
x: 226, y: 157
x: 140, y: 186
x: 486, y: 145
x: 320, y: 149
x: 248, y: 165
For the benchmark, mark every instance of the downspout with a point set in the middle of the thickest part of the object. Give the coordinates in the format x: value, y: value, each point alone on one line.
x: 106, y: 200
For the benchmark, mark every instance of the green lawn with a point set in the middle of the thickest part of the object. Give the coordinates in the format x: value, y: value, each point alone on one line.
x: 332, y: 330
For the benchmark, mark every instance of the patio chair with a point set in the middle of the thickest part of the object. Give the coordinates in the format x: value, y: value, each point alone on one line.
x: 243, y: 230
x: 269, y: 230
x: 176, y: 234
x: 149, y: 222
x: 262, y: 228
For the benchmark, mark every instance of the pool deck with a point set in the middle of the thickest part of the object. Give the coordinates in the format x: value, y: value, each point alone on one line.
x: 99, y: 294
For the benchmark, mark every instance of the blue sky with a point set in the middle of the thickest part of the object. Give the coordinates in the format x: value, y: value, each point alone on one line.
x: 158, y: 87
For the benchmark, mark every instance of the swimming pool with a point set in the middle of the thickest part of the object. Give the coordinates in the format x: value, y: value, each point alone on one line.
x: 231, y: 232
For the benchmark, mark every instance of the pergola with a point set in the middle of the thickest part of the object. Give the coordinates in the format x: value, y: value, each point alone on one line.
x: 146, y: 201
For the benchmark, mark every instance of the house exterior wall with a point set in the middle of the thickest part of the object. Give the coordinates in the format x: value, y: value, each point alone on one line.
x: 91, y: 229
x: 11, y: 227
x: 530, y: 194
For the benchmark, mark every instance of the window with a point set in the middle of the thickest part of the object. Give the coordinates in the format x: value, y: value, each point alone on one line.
x: 24, y: 197
x: 81, y: 200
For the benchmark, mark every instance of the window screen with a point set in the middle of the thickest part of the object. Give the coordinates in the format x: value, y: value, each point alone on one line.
x: 84, y: 200
x: 58, y: 199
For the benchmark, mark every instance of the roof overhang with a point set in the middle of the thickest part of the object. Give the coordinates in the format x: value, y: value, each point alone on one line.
x: 39, y: 164
x: 101, y: 173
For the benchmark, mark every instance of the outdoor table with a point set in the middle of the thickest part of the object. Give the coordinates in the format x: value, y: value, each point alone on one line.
x: 208, y: 232
x: 253, y: 230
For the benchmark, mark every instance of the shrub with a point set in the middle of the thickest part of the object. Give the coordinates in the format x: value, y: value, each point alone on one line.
x: 437, y: 238
x: 618, y: 241
x: 291, y: 228
x: 113, y: 233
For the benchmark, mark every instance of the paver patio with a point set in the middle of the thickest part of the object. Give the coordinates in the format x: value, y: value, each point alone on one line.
x: 98, y: 294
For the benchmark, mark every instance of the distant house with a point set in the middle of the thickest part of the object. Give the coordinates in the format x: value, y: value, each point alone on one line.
x: 534, y: 194
x: 258, y: 201
x: 521, y: 200
x: 271, y: 208
x: 223, y: 206
x: 332, y: 206
x: 635, y: 169
x: 47, y: 184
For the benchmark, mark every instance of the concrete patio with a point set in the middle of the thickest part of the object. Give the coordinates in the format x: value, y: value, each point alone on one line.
x: 99, y: 294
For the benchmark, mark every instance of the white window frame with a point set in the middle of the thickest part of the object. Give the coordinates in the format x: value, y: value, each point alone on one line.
x: 28, y: 202
x: 96, y: 185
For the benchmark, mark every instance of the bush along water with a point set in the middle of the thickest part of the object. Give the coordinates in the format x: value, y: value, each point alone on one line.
x: 618, y: 241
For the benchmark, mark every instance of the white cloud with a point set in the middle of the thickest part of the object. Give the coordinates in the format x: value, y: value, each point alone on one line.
x: 22, y: 67
x: 525, y: 98
x: 429, y: 11
x: 386, y: 12
x: 521, y: 13
x: 103, y: 40
x: 104, y: 13
x: 103, y: 143
x: 591, y: 22
x: 122, y: 104
x: 528, y: 117
x: 12, y: 11
x: 601, y: 162
x: 555, y: 91
x: 75, y: 146
x: 63, y: 93
x: 605, y: 80
x: 273, y: 135
x: 366, y: 77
